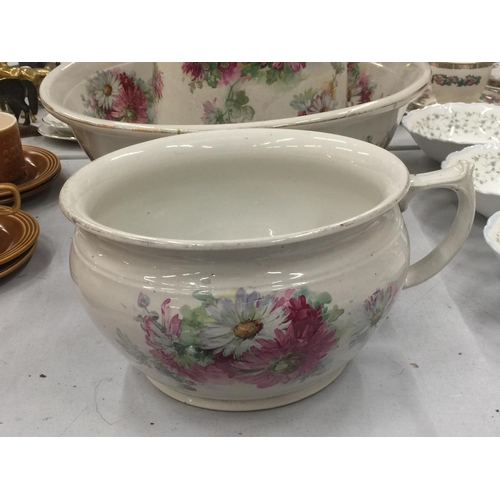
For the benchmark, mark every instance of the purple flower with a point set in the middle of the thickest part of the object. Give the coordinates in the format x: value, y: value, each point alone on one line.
x: 158, y: 85
x: 378, y: 303
x: 143, y: 300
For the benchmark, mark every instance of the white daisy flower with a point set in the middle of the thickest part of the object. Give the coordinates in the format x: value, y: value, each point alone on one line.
x: 105, y: 86
x: 237, y: 325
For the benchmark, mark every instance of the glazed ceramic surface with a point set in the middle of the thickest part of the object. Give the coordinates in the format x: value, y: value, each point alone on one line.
x: 113, y: 105
x: 491, y: 233
x: 53, y: 122
x: 18, y: 233
x: 494, y: 79
x: 442, y: 129
x: 205, y: 261
x: 11, y: 149
x: 64, y: 134
x: 41, y: 168
x: 459, y: 82
x: 14, y: 264
x: 490, y: 95
x: 486, y: 161
x: 221, y: 93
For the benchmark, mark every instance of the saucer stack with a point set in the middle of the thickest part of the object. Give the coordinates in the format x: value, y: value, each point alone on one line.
x: 55, y: 129
x: 18, y: 237
x: 42, y: 168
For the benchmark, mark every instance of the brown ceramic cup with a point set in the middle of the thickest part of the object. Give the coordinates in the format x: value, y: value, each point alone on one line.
x: 11, y: 149
x: 4, y: 210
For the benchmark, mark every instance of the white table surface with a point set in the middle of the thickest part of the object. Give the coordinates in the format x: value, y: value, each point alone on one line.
x: 432, y: 370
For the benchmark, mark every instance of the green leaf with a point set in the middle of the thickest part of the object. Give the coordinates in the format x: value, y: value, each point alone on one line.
x: 338, y: 67
x: 354, y: 70
x: 322, y: 299
x: 250, y: 70
x: 194, y: 318
x: 334, y: 314
x: 240, y: 99
x: 235, y: 113
x: 213, y: 77
x: 272, y: 76
x: 303, y: 290
x: 286, y: 74
x: 203, y: 296
x: 248, y: 113
x: 306, y: 96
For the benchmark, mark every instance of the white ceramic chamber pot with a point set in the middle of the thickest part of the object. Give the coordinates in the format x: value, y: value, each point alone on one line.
x: 242, y: 270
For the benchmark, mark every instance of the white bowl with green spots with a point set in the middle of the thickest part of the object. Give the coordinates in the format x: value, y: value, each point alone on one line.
x: 486, y: 161
x: 491, y: 233
x: 442, y: 129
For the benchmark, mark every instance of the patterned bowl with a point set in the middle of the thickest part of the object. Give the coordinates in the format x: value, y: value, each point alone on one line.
x: 486, y: 161
x: 113, y: 105
x: 491, y: 233
x: 442, y: 129
x: 243, y: 269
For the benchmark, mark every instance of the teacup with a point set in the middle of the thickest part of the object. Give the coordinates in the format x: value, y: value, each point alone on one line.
x: 459, y: 82
x: 243, y: 269
x: 12, y: 188
x: 11, y: 150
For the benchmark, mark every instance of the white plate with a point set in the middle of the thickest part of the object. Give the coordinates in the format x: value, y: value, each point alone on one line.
x: 55, y: 133
x: 54, y: 122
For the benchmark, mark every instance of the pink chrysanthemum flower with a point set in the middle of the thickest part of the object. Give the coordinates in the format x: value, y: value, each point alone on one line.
x: 195, y: 69
x: 130, y: 105
x: 293, y: 353
x: 301, y: 314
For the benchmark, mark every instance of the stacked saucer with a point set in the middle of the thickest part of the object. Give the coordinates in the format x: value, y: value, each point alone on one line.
x: 55, y: 129
x: 18, y: 238
x: 41, y: 169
